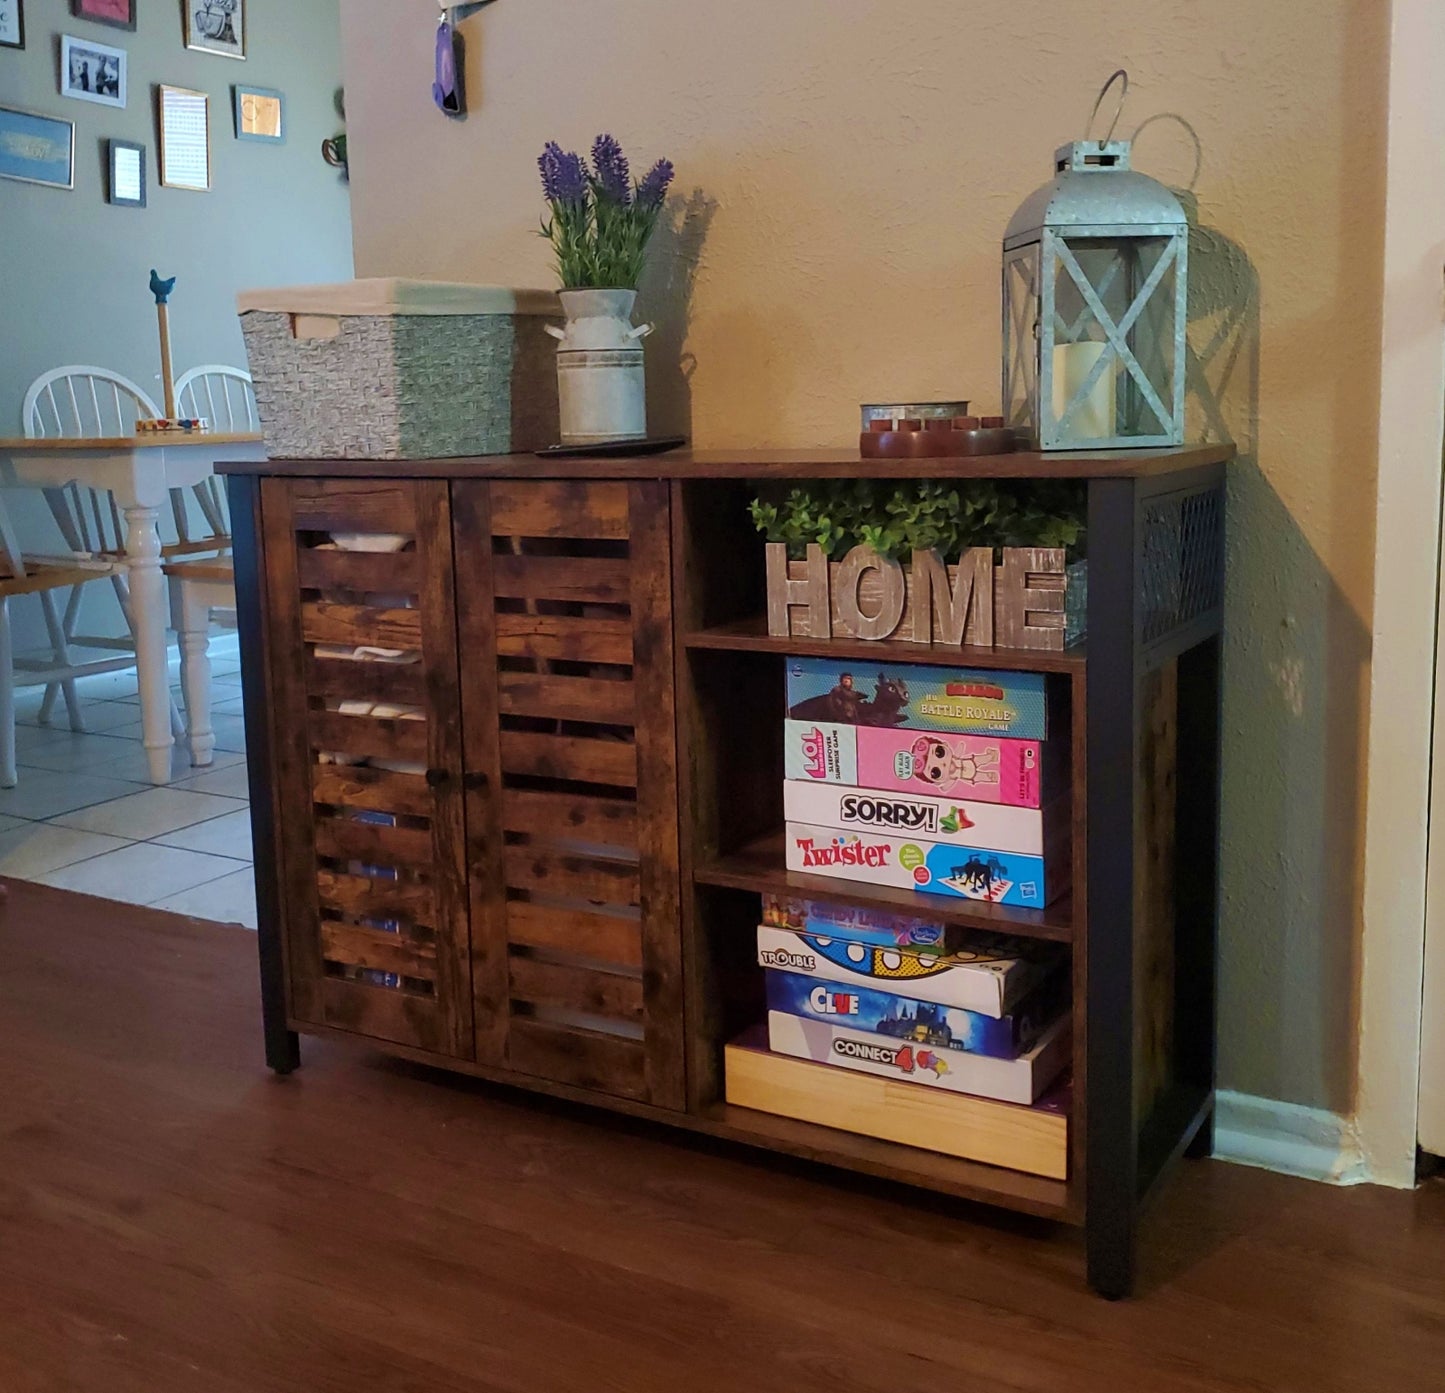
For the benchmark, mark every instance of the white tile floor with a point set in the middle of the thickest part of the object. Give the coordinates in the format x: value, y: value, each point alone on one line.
x: 85, y: 817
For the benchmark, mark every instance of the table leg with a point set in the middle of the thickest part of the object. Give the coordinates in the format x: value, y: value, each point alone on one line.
x: 148, y: 612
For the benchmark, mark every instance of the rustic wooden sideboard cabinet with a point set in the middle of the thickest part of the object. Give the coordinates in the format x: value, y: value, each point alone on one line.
x: 524, y: 838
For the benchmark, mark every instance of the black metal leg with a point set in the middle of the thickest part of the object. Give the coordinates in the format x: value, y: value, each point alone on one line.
x: 1111, y: 1145
x: 283, y: 1046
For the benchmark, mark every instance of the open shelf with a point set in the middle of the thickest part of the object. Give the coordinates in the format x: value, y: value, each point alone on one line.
x: 760, y: 865
x: 751, y: 636
x: 970, y: 1180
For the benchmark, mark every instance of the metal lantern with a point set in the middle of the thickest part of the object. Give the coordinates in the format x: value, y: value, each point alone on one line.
x: 1095, y: 265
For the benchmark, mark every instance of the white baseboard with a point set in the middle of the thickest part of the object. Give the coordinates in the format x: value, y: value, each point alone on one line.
x: 1288, y: 1138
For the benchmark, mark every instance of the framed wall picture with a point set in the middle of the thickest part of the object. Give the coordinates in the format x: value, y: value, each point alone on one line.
x: 37, y: 149
x: 127, y: 174
x: 216, y: 26
x: 260, y: 114
x: 91, y: 72
x: 185, y: 126
x: 120, y: 13
x: 12, y: 23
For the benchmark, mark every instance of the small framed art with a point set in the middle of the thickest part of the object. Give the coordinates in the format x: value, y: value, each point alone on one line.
x: 216, y: 26
x: 92, y: 72
x: 127, y: 174
x: 37, y: 149
x: 120, y: 13
x: 12, y: 23
x: 260, y: 114
x: 185, y: 122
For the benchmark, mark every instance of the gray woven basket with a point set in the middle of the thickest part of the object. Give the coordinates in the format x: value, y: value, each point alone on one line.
x: 395, y: 385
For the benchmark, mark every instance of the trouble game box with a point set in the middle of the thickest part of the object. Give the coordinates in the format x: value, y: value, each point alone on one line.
x: 1018, y: 1080
x: 921, y: 698
x: 931, y: 867
x: 978, y: 768
x: 923, y: 1022
x: 1022, y: 831
x: 991, y: 978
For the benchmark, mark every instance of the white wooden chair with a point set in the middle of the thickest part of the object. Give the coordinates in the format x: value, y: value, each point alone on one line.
x: 225, y: 397
x: 22, y: 575
x: 202, y: 589
x: 81, y: 400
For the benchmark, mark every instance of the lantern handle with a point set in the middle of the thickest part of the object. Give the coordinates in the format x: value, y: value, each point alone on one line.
x: 1099, y: 101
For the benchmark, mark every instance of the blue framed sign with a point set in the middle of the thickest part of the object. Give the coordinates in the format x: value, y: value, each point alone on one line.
x: 260, y: 114
x: 37, y: 149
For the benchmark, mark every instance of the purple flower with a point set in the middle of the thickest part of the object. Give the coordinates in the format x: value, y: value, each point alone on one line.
x: 564, y: 177
x: 613, y: 176
x: 653, y: 188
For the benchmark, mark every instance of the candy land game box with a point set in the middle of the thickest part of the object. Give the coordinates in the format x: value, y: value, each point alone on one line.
x: 991, y: 977
x: 976, y: 768
x: 890, y: 695
x: 923, y: 1022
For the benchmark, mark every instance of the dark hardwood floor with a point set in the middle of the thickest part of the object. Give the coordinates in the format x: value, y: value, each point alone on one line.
x: 172, y: 1217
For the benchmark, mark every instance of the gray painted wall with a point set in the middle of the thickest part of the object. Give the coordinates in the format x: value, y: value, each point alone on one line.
x: 74, y: 269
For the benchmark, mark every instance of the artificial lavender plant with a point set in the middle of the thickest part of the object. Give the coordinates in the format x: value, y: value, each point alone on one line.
x: 601, y: 220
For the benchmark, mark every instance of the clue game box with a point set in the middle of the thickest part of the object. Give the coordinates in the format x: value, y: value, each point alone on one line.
x: 946, y: 699
x: 991, y: 977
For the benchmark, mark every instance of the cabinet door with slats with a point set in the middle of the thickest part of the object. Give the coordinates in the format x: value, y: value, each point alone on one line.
x: 566, y: 649
x: 362, y: 665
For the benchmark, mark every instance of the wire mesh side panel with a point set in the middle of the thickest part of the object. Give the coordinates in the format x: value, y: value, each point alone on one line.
x: 1181, y: 560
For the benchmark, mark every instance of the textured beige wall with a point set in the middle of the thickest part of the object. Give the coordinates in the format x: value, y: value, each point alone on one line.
x: 855, y: 163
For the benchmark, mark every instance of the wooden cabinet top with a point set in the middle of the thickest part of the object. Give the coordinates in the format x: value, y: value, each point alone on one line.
x: 757, y: 464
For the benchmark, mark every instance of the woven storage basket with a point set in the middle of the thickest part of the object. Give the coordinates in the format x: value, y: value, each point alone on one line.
x: 395, y: 369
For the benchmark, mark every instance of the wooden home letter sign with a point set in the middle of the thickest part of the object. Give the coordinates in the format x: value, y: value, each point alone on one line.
x: 1020, y: 604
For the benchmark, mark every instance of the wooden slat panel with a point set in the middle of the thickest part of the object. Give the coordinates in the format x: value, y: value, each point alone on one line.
x: 571, y: 877
x: 343, y: 839
x: 609, y: 938
x: 354, y: 680
x: 583, y: 1058
x: 657, y: 796
x: 362, y: 947
x: 322, y: 622
x: 566, y: 757
x: 361, y: 898
x: 560, y: 636
x: 602, y: 580
x: 353, y: 505
x: 384, y: 1014
x: 368, y: 736
x: 381, y: 790
x: 472, y: 547
x: 560, y: 509
x: 577, y: 989
x: 392, y: 573
x: 565, y: 698
x: 574, y: 817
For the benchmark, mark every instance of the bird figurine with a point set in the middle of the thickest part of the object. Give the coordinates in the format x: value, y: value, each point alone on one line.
x: 161, y: 289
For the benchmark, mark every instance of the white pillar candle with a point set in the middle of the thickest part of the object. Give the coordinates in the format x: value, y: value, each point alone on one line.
x: 1094, y: 417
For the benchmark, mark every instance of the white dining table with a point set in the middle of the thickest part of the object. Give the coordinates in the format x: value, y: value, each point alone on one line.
x: 140, y: 471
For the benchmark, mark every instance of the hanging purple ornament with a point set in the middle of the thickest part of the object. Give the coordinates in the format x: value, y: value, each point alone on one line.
x: 446, y: 91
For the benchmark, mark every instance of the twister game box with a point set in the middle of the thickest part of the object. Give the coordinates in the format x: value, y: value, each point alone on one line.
x: 991, y: 977
x: 922, y: 1022
x: 889, y: 695
x: 1018, y: 1080
x: 976, y: 768
x: 930, y: 867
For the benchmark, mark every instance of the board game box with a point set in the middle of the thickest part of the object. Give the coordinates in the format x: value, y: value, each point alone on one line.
x: 930, y: 867
x: 979, y: 768
x: 923, y: 1022
x: 990, y: 978
x: 946, y: 699
x: 1017, y: 830
x: 857, y: 924
x: 1018, y: 1080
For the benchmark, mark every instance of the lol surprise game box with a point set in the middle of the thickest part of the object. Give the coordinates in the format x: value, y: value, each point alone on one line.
x: 979, y: 768
x: 856, y: 924
x: 966, y: 700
